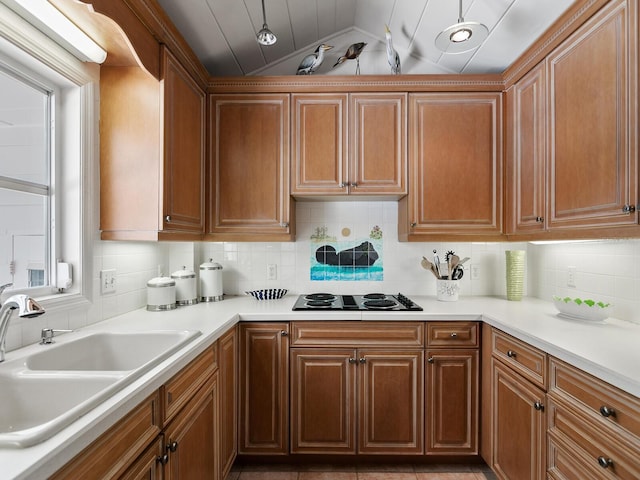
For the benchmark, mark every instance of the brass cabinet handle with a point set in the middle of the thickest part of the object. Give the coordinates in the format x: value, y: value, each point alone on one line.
x: 605, y: 462
x: 454, y: 335
x: 511, y: 354
x: 430, y: 360
x: 167, y: 218
x: 353, y: 184
x: 413, y: 224
x: 284, y: 333
x: 352, y: 360
x: 363, y: 360
x: 163, y: 459
x: 607, y: 411
x: 538, y: 406
x: 173, y: 446
x: 539, y: 219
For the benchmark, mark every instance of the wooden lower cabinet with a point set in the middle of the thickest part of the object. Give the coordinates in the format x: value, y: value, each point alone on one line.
x: 228, y: 415
x: 518, y: 426
x: 192, y: 438
x: 452, y: 402
x: 373, y: 395
x: 264, y: 386
x: 147, y: 467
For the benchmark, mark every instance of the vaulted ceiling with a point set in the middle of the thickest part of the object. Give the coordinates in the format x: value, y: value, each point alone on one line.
x: 223, y: 33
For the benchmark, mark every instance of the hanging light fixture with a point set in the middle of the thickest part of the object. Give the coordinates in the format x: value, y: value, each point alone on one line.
x: 265, y: 36
x: 462, y: 36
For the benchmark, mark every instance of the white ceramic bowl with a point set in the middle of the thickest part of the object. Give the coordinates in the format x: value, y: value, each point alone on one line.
x: 577, y: 308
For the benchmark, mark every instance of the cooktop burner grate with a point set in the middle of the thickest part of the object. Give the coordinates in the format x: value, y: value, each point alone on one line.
x: 369, y: 301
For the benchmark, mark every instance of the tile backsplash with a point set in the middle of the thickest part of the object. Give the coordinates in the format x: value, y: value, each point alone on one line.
x: 607, y: 270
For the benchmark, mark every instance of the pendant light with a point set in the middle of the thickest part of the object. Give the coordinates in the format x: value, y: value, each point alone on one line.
x: 462, y: 36
x: 265, y: 36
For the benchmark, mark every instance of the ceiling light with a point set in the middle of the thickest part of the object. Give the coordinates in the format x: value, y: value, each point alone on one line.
x: 265, y: 36
x: 462, y: 36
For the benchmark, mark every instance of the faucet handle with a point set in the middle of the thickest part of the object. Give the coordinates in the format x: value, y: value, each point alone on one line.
x: 6, y: 285
x: 47, y: 334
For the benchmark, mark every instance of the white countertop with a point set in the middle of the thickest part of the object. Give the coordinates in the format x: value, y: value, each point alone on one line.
x: 609, y: 350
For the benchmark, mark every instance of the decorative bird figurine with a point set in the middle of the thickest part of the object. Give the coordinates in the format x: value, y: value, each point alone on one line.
x: 312, y: 62
x: 353, y: 51
x: 392, y: 56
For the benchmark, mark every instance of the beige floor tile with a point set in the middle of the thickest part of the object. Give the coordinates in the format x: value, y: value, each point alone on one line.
x: 445, y: 468
x: 447, y: 476
x: 332, y: 475
x: 272, y: 475
x: 385, y: 467
x: 387, y: 476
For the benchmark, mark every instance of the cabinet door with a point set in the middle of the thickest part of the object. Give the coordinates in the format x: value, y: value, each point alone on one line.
x: 149, y: 464
x: 452, y: 402
x: 518, y: 426
x: 319, y: 144
x: 184, y: 148
x: 377, y: 143
x: 228, y: 368
x: 191, y: 437
x: 391, y: 401
x: 323, y: 400
x: 249, y: 168
x: 526, y: 148
x: 264, y: 387
x: 592, y: 97
x: 455, y: 165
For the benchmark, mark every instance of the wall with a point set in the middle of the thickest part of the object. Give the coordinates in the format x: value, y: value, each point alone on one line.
x: 605, y: 270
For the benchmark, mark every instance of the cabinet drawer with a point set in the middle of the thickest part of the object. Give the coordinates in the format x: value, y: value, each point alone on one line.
x: 452, y: 334
x: 115, y: 450
x: 525, y: 359
x: 357, y: 334
x: 178, y: 390
x: 613, y: 456
x: 604, y: 403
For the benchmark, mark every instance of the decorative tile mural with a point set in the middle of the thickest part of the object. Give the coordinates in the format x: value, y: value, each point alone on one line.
x: 348, y: 260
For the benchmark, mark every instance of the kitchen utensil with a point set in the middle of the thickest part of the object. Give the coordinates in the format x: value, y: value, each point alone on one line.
x: 427, y: 265
x: 161, y: 294
x: 211, y: 282
x: 458, y: 272
x: 436, y: 263
x: 465, y: 259
x: 186, y: 288
x: 452, y: 263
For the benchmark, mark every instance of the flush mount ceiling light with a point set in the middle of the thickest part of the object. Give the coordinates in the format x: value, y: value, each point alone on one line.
x: 462, y: 36
x: 265, y: 36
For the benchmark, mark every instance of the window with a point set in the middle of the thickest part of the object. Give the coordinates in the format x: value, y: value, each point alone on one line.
x: 48, y: 161
x: 25, y: 173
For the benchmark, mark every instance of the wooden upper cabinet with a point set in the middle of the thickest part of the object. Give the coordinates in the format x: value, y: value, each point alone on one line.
x: 184, y: 148
x: 593, y: 122
x: 152, y: 153
x: 319, y: 144
x: 525, y: 153
x: 455, y: 166
x: 349, y: 144
x: 249, y: 168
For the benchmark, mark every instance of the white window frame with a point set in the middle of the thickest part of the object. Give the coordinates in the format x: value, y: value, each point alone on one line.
x: 75, y: 150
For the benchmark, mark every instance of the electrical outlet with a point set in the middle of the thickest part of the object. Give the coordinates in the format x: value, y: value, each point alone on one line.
x: 475, y: 272
x: 107, y: 281
x: 571, y: 276
x: 272, y: 271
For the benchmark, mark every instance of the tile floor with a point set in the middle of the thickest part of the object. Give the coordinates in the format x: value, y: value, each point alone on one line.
x: 361, y: 472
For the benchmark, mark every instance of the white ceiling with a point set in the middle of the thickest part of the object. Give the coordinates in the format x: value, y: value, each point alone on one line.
x: 222, y: 33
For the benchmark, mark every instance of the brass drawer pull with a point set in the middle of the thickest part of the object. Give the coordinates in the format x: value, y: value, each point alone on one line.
x: 454, y: 335
x: 538, y: 406
x: 511, y: 354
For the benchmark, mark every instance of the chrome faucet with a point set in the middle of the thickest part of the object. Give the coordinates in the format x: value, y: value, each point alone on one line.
x: 27, y: 307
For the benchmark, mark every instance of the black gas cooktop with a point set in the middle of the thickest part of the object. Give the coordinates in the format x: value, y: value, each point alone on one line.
x: 370, y: 301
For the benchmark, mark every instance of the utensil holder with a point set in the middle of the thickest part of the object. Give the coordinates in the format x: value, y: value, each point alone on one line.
x: 447, y: 290
x: 515, y: 274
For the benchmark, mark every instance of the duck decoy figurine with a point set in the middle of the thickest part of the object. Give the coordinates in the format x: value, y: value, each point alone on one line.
x: 392, y: 56
x: 312, y: 62
x: 353, y: 51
